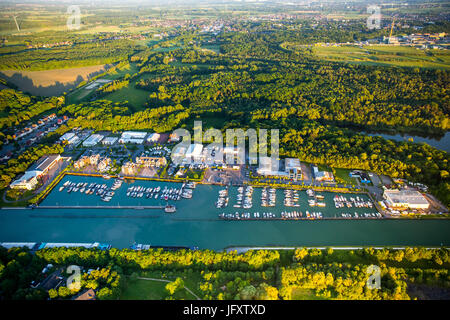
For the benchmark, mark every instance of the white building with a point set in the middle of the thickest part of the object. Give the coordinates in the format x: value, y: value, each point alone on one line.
x: 42, y: 166
x: 92, y: 140
x: 136, y: 137
x: 270, y: 167
x: 293, y: 168
x: 405, y: 199
x: 109, y: 141
x: 27, y: 181
x: 70, y: 137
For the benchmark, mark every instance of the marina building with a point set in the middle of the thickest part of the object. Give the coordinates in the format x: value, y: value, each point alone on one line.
x: 293, y: 168
x: 103, y: 165
x: 109, y: 141
x: 29, y: 179
x: 322, y: 175
x: 270, y: 167
x: 151, y: 161
x: 92, y: 140
x: 135, y: 137
x: 406, y: 198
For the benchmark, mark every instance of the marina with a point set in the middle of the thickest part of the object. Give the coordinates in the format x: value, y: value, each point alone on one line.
x: 77, y: 217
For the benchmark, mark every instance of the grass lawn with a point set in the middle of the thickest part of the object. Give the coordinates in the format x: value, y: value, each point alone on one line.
x: 400, y: 56
x: 344, y: 175
x: 151, y: 290
x: 305, y: 294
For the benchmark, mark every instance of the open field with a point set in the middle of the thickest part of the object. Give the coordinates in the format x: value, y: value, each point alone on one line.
x: 151, y: 290
x: 50, y: 82
x: 400, y: 56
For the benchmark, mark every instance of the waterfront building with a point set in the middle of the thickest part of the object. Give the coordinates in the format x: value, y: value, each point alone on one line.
x: 270, y: 167
x: 151, y: 161
x: 363, y: 177
x: 41, y: 167
x: 136, y: 137
x: 92, y: 140
x: 406, y: 198
x: 293, y: 168
x: 103, y: 165
x: 27, y: 181
x: 108, y: 141
x: 322, y: 175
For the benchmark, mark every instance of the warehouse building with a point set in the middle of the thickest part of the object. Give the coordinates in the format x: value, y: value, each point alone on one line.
x: 92, y: 140
x: 406, y: 198
x: 109, y: 141
x: 29, y: 179
x: 135, y: 137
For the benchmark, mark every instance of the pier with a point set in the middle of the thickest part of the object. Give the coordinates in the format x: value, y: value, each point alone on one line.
x: 100, y: 207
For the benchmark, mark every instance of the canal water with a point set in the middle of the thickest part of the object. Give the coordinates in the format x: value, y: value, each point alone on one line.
x: 196, y: 222
x: 439, y: 143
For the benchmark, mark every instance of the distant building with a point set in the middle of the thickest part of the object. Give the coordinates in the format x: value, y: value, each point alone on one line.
x: 135, y: 137
x: 399, y: 199
x: 41, y: 167
x: 108, y: 141
x: 92, y: 140
x: 293, y: 168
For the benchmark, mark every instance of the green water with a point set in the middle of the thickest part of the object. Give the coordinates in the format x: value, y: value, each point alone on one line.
x: 196, y: 224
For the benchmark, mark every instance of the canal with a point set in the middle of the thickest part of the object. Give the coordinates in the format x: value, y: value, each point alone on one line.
x: 196, y: 222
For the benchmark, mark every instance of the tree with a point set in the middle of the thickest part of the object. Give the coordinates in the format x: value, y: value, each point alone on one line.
x: 174, y: 286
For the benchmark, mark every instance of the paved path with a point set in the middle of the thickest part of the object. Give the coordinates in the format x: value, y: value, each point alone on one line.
x: 162, y: 280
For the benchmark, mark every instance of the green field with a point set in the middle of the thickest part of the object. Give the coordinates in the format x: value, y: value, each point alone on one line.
x: 400, y: 56
x: 151, y: 290
x: 344, y: 175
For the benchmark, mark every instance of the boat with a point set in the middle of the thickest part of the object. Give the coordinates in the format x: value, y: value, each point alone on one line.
x: 105, y: 176
x: 170, y: 208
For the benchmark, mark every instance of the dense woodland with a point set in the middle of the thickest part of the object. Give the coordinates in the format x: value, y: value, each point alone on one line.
x: 258, y: 274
